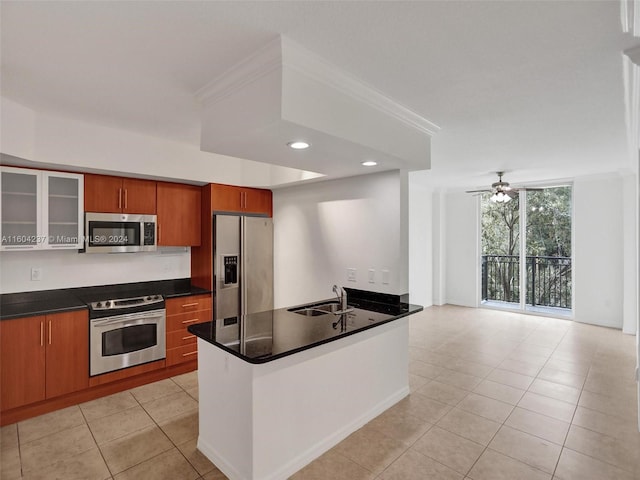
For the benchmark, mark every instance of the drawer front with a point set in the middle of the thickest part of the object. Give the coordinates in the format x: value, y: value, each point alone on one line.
x: 180, y: 338
x: 183, y: 320
x: 188, y: 304
x: 182, y: 354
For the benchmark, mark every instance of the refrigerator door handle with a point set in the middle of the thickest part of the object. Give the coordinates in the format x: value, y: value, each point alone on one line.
x: 243, y: 266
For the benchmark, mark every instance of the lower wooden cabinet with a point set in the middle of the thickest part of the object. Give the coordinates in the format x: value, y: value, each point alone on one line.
x: 181, y: 312
x: 43, y: 357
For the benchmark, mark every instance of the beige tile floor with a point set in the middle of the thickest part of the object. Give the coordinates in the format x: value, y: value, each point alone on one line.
x: 494, y: 395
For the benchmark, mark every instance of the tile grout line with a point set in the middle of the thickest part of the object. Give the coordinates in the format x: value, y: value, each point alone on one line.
x: 163, y: 432
x: 96, y: 441
x: 553, y: 474
x: 503, y: 422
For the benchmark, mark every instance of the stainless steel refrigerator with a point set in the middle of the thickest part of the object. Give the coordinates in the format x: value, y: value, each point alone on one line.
x: 242, y: 266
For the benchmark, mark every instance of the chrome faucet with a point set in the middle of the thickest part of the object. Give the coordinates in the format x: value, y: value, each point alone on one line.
x: 341, y: 293
x: 342, y: 297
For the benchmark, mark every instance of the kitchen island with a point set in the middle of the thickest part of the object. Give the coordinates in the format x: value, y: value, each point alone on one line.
x: 279, y: 388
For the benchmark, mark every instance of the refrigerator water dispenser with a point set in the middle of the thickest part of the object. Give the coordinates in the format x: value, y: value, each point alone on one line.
x: 230, y: 263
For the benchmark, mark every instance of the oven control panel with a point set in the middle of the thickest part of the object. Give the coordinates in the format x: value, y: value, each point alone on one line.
x: 124, y: 303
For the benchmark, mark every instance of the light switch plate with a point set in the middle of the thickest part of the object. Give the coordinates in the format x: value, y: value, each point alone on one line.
x: 351, y: 274
x: 372, y: 275
x: 385, y: 277
x: 36, y: 274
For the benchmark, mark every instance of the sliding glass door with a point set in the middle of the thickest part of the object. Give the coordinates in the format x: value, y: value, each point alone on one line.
x: 526, y: 251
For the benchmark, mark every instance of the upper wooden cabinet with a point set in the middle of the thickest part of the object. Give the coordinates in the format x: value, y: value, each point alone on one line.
x: 227, y: 198
x: 105, y: 194
x: 40, y: 209
x: 178, y: 214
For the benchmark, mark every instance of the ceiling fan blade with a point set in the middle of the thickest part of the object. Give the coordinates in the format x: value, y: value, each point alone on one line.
x: 479, y: 191
x: 528, y: 189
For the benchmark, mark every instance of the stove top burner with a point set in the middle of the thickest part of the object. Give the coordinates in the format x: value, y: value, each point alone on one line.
x: 127, y: 303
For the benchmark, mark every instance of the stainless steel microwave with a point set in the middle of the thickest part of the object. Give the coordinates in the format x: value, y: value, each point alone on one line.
x: 120, y: 233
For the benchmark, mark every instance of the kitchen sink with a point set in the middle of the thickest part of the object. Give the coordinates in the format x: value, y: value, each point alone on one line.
x: 317, y: 309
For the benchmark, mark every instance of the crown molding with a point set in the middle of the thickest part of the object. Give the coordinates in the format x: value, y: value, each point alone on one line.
x: 257, y: 65
x: 630, y: 16
x: 282, y: 53
x: 317, y: 68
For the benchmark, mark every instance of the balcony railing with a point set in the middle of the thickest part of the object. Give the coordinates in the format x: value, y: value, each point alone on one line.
x: 548, y: 280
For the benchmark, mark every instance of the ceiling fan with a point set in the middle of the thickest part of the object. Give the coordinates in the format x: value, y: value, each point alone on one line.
x: 502, y: 191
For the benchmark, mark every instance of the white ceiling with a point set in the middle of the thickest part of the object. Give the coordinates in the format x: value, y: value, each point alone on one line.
x: 533, y: 88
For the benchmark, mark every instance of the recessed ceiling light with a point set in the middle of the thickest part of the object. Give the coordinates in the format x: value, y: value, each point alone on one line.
x: 369, y: 163
x: 299, y: 145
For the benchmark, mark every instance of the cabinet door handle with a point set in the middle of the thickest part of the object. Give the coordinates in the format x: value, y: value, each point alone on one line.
x: 42, y: 334
x: 190, y: 353
x: 191, y: 321
x: 190, y: 304
x: 188, y: 337
x: 126, y: 198
x: 120, y: 198
x: 49, y: 332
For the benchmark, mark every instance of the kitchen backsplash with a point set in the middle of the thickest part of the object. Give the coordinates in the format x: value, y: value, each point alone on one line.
x: 67, y: 269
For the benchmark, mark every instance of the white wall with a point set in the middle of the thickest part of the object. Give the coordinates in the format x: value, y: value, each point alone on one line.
x: 598, y: 250
x: 461, y: 249
x: 68, y: 268
x: 420, y: 241
x: 322, y: 229
x: 630, y: 255
x: 438, y: 251
x: 601, y: 270
x: 55, y: 141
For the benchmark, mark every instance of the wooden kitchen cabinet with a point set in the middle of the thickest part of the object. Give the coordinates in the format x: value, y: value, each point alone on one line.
x: 182, y: 312
x: 41, y: 209
x: 228, y: 198
x: 22, y: 361
x: 43, y: 357
x: 105, y: 194
x: 178, y: 214
x: 67, y: 357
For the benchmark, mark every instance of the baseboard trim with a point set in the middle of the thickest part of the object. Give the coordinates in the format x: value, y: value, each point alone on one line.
x: 310, y: 454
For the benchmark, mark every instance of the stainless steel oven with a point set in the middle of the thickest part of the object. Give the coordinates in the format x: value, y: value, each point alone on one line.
x: 126, y: 332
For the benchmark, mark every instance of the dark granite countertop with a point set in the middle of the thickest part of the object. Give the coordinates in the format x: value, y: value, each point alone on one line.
x: 27, y: 304
x: 278, y: 333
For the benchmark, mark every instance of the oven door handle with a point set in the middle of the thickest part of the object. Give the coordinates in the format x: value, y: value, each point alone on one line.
x: 131, y: 317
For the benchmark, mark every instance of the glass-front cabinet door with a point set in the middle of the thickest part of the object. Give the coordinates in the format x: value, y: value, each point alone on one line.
x: 20, y: 209
x: 63, y: 209
x: 40, y: 209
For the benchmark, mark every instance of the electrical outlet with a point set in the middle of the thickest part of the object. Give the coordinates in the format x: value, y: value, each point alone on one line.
x: 385, y: 277
x: 372, y: 275
x: 351, y: 274
x: 36, y: 274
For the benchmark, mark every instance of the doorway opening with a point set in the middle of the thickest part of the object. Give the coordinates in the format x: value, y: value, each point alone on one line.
x: 527, y: 253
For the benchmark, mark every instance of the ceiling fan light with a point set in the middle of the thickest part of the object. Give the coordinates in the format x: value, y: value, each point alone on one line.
x: 506, y: 199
